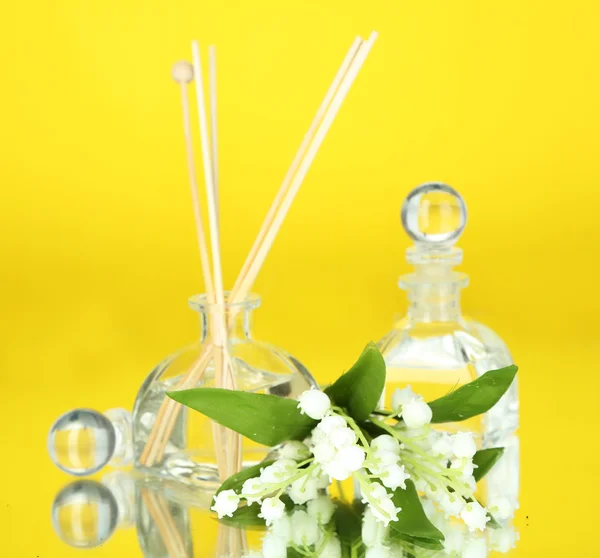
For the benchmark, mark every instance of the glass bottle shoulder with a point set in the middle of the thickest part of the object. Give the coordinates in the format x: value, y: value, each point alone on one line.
x: 444, y: 345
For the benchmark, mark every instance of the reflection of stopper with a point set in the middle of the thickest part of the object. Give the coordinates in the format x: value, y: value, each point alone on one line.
x: 84, y: 514
x: 434, y: 215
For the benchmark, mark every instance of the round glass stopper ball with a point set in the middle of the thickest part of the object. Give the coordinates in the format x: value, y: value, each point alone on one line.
x: 85, y: 514
x: 81, y: 441
x: 434, y: 214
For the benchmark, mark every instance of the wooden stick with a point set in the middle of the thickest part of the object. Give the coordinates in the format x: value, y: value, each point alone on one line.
x: 357, y: 62
x: 219, y: 332
x: 159, y: 511
x: 295, y: 164
x: 183, y: 73
x: 169, y: 409
x: 212, y: 94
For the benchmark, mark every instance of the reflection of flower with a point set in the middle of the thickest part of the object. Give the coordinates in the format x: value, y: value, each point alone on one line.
x: 310, y: 531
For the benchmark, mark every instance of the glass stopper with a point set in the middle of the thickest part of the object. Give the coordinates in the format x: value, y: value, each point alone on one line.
x: 434, y: 213
x: 81, y: 442
x: 84, y: 514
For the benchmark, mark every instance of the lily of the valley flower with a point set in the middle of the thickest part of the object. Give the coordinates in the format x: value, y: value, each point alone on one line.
x: 225, y: 503
x: 314, y: 403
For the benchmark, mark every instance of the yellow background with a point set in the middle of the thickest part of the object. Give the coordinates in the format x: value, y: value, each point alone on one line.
x: 499, y: 99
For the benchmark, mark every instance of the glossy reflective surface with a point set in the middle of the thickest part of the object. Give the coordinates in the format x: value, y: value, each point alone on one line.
x: 170, y: 520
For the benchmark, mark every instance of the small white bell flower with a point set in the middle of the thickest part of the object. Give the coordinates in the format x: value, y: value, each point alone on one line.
x: 342, y: 437
x: 278, y: 472
x: 226, y: 503
x: 378, y: 552
x: 305, y: 529
x: 381, y: 460
x: 352, y: 456
x: 331, y: 423
x: 503, y: 508
x: 302, y: 490
x: 416, y: 413
x: 321, y: 509
x: 463, y: 445
x: 503, y: 540
x: 434, y: 492
x: 465, y: 466
x: 395, y: 476
x: 282, y: 528
x: 373, y: 532
x: 271, y: 510
x: 295, y: 450
x: 381, y: 504
x: 274, y: 547
x: 386, y: 443
x: 324, y: 452
x: 454, y: 537
x: 337, y: 470
x: 332, y: 548
x: 250, y: 488
x: 452, y: 504
x: 314, y: 403
x: 401, y: 397
x: 475, y: 516
x: 322, y: 478
x: 442, y: 445
x: 475, y: 548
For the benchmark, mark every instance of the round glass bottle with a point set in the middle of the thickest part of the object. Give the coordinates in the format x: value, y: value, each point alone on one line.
x: 435, y: 348
x: 180, y: 444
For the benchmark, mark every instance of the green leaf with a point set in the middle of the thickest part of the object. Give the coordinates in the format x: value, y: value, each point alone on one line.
x: 246, y: 517
x: 485, y: 459
x: 265, y: 419
x: 348, y: 526
x: 412, y: 520
x: 492, y: 523
x: 473, y: 398
x: 429, y: 544
x: 360, y: 389
x: 348, y: 522
x: 235, y: 482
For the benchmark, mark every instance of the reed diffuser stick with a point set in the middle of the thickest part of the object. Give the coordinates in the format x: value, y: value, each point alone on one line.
x: 212, y: 95
x: 295, y: 164
x: 219, y: 333
x: 183, y: 73
x: 347, y: 81
x: 294, y: 178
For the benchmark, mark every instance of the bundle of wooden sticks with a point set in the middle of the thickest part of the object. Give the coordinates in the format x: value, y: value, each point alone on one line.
x: 227, y: 443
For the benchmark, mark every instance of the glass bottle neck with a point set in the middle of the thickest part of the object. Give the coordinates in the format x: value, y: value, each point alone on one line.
x: 238, y: 322
x: 434, y: 293
x: 434, y: 303
x: 235, y: 318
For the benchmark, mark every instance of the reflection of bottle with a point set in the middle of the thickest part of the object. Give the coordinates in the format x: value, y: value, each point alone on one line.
x: 86, y: 513
x: 435, y: 348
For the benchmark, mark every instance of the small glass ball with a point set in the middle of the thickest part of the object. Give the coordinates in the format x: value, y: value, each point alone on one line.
x: 434, y: 213
x: 85, y: 514
x: 81, y: 442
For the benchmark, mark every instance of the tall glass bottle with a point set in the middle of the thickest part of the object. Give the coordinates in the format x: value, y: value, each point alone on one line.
x: 435, y: 348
